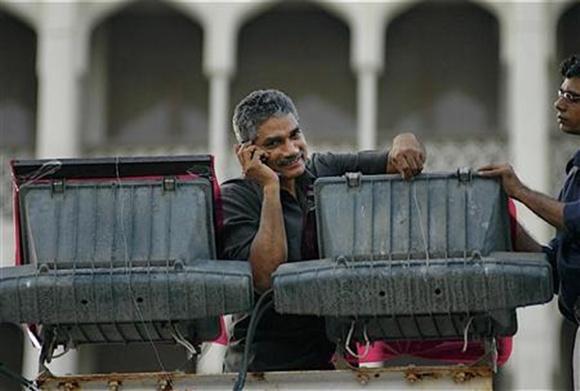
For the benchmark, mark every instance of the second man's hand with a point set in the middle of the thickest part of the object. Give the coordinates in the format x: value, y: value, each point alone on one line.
x: 546, y: 207
x: 509, y: 179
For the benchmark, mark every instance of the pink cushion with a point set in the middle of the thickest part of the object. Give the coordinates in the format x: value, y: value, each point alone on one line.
x: 449, y: 351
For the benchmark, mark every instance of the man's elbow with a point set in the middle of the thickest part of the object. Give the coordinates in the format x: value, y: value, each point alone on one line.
x: 262, y: 276
x: 262, y: 285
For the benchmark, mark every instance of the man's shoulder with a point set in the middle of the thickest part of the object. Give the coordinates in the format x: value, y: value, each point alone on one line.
x: 324, y: 160
x: 332, y: 164
x: 239, y: 187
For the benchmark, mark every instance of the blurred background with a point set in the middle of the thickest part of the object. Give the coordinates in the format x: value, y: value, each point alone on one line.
x: 474, y: 79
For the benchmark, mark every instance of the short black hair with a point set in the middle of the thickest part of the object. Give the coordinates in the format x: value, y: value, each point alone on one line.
x: 570, y: 67
x: 257, y: 108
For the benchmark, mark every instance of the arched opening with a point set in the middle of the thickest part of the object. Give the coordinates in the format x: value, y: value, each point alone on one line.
x: 568, y: 31
x: 18, y: 84
x: 18, y: 92
x: 301, y: 49
x: 18, y: 89
x: 145, y: 86
x: 442, y: 73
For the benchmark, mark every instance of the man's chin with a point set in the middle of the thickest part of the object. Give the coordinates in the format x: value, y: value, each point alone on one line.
x: 292, y: 172
x: 570, y: 130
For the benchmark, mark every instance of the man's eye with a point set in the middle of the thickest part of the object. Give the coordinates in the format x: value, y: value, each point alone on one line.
x: 569, y: 96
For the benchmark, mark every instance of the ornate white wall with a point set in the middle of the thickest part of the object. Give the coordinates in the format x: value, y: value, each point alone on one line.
x: 527, y: 42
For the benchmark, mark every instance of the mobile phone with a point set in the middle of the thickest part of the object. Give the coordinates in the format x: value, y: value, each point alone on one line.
x: 263, y: 158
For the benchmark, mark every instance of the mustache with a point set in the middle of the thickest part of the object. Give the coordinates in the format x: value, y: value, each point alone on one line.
x: 289, y: 159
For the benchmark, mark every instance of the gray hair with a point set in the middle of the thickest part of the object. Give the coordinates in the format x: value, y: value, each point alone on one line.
x: 257, y: 108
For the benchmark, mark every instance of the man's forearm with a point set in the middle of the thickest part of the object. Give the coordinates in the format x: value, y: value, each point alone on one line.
x: 269, y: 248
x: 547, y: 208
x: 524, y: 241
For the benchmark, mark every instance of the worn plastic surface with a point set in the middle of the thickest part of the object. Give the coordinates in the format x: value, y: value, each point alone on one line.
x: 423, y: 259
x: 424, y: 327
x: 438, y: 214
x: 120, y: 250
x: 30, y: 294
x: 369, y: 288
x: 134, y: 221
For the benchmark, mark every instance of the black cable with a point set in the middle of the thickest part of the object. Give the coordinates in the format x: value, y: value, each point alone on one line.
x: 257, y: 314
x: 241, y: 380
x: 29, y: 385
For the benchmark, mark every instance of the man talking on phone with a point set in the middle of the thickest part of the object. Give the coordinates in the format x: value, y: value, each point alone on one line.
x: 269, y: 220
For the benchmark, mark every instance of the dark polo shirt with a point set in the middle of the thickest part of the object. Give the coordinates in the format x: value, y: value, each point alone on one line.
x: 285, y: 342
x: 564, y: 250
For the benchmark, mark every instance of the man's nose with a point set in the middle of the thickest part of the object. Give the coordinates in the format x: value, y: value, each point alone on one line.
x: 290, y: 148
x: 560, y: 104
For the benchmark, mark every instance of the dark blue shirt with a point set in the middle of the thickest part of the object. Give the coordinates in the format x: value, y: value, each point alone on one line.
x: 564, y: 250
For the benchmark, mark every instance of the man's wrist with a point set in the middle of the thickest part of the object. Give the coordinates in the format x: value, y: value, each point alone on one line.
x: 390, y: 169
x: 271, y: 188
x: 521, y: 193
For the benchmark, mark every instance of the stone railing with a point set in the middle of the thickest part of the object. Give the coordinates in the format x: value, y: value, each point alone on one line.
x: 442, y: 156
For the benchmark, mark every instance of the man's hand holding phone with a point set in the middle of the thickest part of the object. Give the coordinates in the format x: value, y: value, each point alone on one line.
x: 253, y: 161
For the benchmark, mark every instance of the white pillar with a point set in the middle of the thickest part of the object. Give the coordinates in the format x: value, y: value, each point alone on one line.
x: 367, y: 101
x: 59, y: 72
x: 219, y: 52
x: 367, y: 23
x: 64, y: 365
x: 218, y: 120
x: 525, y: 49
x: 59, y: 63
x: 94, y: 125
x: 528, y: 101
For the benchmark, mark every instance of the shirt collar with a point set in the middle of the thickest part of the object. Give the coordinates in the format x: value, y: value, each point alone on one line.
x: 574, y: 162
x: 307, y: 178
x: 305, y: 187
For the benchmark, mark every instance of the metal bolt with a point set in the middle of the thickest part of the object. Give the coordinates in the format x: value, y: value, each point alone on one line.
x: 460, y: 377
x: 165, y: 385
x: 67, y: 386
x: 363, y: 378
x: 412, y: 377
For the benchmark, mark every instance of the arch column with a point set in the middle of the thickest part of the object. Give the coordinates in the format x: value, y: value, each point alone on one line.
x: 367, y: 102
x: 526, y: 51
x: 221, y: 24
x: 219, y: 92
x: 367, y: 58
x: 60, y: 67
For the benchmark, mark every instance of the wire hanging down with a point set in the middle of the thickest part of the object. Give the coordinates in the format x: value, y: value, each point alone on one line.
x: 257, y: 314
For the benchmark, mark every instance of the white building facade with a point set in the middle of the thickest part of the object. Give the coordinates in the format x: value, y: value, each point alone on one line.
x: 475, y: 79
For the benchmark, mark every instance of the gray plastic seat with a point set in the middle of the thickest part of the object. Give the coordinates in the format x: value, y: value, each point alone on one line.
x: 119, y: 250
x: 425, y: 259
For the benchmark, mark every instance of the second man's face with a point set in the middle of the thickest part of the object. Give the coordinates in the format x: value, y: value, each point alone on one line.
x: 285, y: 145
x: 568, y: 106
